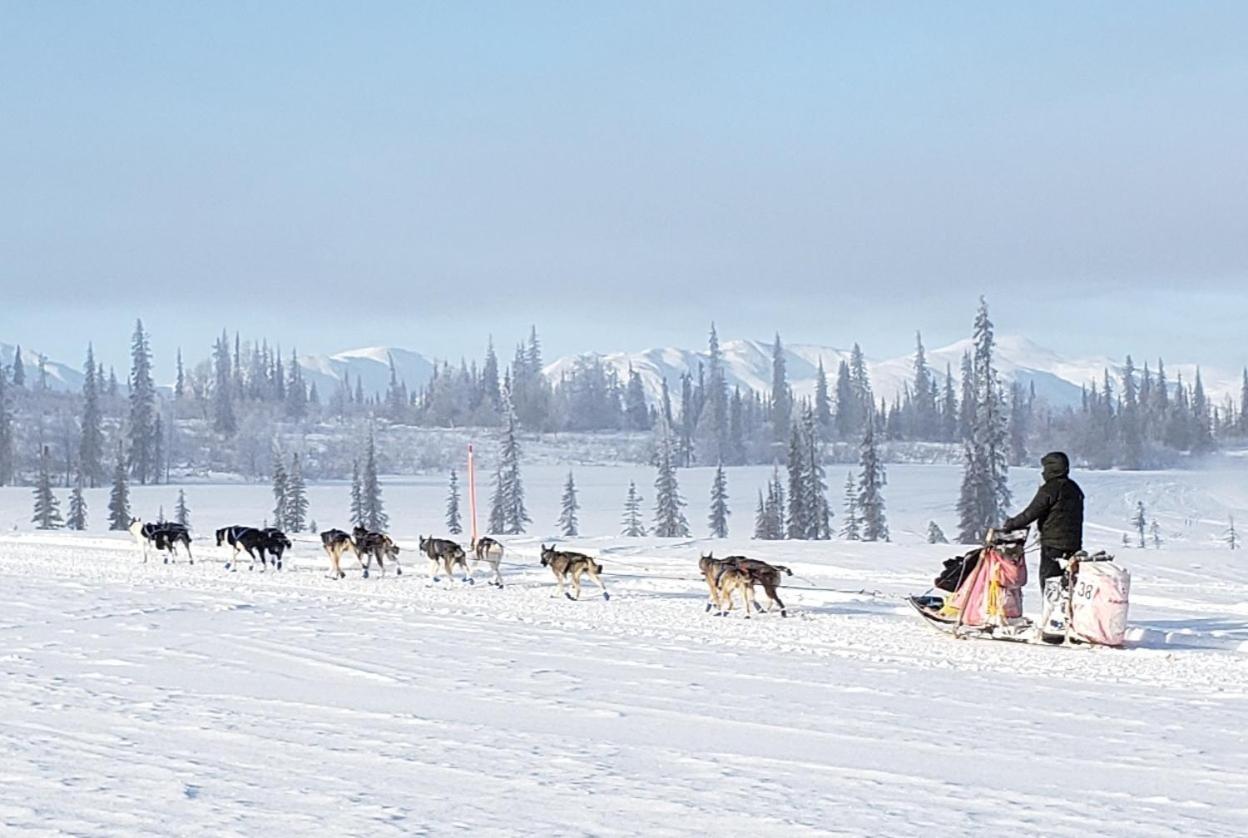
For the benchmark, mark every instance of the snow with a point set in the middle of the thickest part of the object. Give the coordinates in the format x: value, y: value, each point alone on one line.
x: 178, y: 699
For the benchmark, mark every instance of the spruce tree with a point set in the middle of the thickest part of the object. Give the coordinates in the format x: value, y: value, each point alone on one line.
x: 781, y: 396
x: 851, y: 530
x: 712, y: 426
x: 91, y: 442
x: 119, y: 497
x: 454, y: 523
x: 871, y: 482
x: 182, y: 512
x: 375, y: 518
x: 935, y: 535
x: 509, y: 489
x: 669, y: 515
x: 719, y: 504
x: 47, y: 508
x: 632, y: 523
x: 924, y: 405
x: 778, y: 505
x: 295, y: 516
x: 636, y: 412
x: 823, y: 404
x: 1242, y: 427
x: 280, y: 493
x: 736, y: 428
x: 968, y: 403
x: 77, y: 519
x: 19, y: 369
x: 797, y: 523
x: 1202, y: 440
x: 296, y: 390
x: 142, y: 407
x: 846, y: 404
x: 358, y: 515
x: 498, y: 507
x: 223, y: 419
x: 179, y: 384
x: 568, y: 506
x: 761, y: 530
x: 1140, y: 522
x: 1231, y: 536
x: 1017, y: 426
x: 6, y: 433
x: 688, y: 421
x: 158, y: 448
x: 490, y: 387
x: 815, y: 488
x: 985, y: 492
x: 949, y: 418
x: 1130, y: 420
x: 860, y: 385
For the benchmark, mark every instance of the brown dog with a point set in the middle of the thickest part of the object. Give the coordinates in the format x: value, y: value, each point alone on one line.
x: 757, y: 571
x: 565, y: 564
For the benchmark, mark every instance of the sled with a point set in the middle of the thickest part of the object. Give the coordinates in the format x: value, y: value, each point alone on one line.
x: 1087, y: 604
x: 1017, y: 630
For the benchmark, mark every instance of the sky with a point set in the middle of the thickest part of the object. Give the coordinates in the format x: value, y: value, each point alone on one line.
x: 335, y: 175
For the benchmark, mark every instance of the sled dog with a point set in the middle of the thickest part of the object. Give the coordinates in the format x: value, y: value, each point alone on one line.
x: 276, y: 543
x: 566, y: 564
x: 164, y: 535
x: 758, y: 572
x: 337, y: 542
x: 489, y: 551
x: 446, y: 553
x: 371, y: 545
x: 734, y: 580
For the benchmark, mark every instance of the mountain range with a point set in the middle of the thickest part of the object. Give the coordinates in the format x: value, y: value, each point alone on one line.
x: 747, y: 363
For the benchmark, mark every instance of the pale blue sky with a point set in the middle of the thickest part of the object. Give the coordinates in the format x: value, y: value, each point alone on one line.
x: 339, y: 174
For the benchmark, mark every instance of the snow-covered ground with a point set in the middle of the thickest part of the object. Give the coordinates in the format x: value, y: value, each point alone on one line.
x: 177, y: 699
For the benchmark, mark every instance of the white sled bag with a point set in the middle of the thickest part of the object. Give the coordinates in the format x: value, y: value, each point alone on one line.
x: 1098, y: 603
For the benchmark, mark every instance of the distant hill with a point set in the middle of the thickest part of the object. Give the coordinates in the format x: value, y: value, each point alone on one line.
x: 61, y: 377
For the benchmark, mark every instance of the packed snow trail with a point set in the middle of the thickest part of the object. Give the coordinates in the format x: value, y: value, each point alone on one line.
x: 171, y: 699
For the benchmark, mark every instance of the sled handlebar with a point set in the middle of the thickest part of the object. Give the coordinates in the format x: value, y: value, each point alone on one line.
x: 995, y: 536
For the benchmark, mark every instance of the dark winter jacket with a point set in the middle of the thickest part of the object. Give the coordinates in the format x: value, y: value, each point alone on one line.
x: 1057, y: 508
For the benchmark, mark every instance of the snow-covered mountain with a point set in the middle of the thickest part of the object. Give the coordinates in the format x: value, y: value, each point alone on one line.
x: 61, y: 377
x: 1057, y: 378
x: 747, y: 363
x: 369, y: 366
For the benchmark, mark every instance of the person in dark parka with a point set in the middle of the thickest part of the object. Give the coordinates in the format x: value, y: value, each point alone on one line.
x: 1057, y: 511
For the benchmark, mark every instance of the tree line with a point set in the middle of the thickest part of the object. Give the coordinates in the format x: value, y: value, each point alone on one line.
x: 224, y: 413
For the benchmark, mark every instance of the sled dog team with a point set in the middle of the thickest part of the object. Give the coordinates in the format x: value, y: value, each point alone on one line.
x: 725, y: 578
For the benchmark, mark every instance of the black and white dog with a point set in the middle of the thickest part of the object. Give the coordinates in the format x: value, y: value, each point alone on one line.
x: 276, y: 544
x: 264, y: 543
x: 163, y: 535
